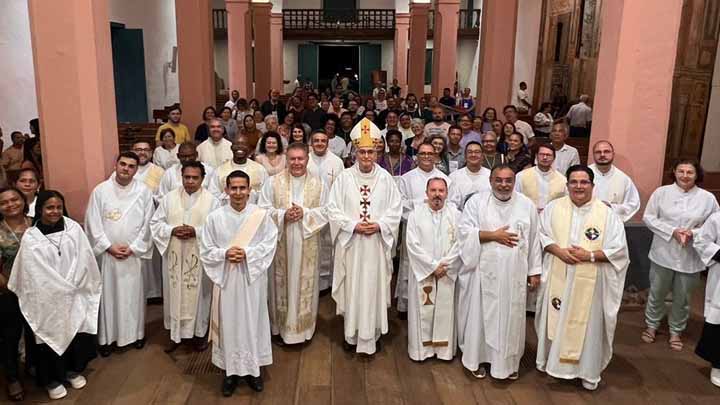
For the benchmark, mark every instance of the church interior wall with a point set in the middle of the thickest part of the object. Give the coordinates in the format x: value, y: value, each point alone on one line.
x: 221, y: 59
x: 711, y: 142
x: 17, y: 75
x: 526, y: 43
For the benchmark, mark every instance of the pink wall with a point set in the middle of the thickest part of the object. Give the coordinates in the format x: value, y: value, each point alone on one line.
x: 497, y: 54
x: 634, y: 76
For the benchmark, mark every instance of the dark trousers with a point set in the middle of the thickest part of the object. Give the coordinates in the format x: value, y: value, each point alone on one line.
x: 52, y: 367
x: 579, y: 132
x: 708, y: 347
x: 11, y: 328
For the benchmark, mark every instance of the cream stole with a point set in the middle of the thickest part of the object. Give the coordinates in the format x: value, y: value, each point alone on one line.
x: 251, y: 168
x: 153, y: 177
x: 184, y: 268
x: 242, y: 239
x: 585, y: 276
x: 436, y: 296
x: 282, y: 198
x: 530, y: 179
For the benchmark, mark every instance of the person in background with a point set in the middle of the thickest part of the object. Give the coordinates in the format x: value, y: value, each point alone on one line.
x: 251, y: 131
x: 488, y: 117
x: 272, y: 155
x: 165, y: 155
x: 565, y: 155
x: 447, y: 100
x: 241, y: 110
x: 232, y: 102
x: 298, y: 134
x: 491, y: 157
x: 543, y: 120
x: 517, y: 155
x: 438, y: 126
x: 273, y: 106
x: 12, y: 157
x: 202, y: 132
x: 231, y: 127
x: 522, y: 98
x: 181, y: 131
x: 511, y: 115
x: 33, y: 158
x: 254, y: 105
x: 259, y: 119
x: 28, y: 182
x: 395, y: 162
x: 466, y: 103
x: 455, y: 150
x: 580, y: 118
x: 440, y: 144
x: 465, y: 121
x: 394, y: 89
x: 412, y: 144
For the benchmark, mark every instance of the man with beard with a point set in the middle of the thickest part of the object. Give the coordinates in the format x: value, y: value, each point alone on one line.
x: 273, y: 106
x: 328, y: 167
x: 612, y: 186
x: 542, y: 183
x: 434, y: 259
x: 471, y: 179
x: 216, y: 149
x: 364, y: 211
x: 117, y: 223
x: 438, y: 126
x: 240, y: 153
x: 181, y: 131
x: 296, y: 202
x: 491, y: 157
x: 172, y: 179
x: 501, y: 253
x: 584, y: 268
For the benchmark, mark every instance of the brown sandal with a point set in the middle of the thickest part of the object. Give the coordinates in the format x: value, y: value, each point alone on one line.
x: 648, y: 335
x: 15, y: 391
x: 676, y: 344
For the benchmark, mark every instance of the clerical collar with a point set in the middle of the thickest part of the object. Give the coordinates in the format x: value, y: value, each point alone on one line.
x: 48, y: 229
x: 235, y: 210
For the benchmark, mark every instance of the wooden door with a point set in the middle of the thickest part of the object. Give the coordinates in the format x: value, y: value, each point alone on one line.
x: 129, y: 73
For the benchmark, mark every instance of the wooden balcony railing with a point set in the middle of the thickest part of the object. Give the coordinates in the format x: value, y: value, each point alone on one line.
x: 316, y: 19
x: 219, y: 17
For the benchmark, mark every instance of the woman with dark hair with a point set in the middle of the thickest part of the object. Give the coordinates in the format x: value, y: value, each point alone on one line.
x: 231, y: 127
x: 202, y: 132
x: 443, y: 164
x: 395, y: 162
x: 543, y: 120
x: 165, y: 154
x: 250, y: 130
x: 13, y: 212
x: 254, y: 105
x: 672, y: 213
x: 517, y: 155
x: 488, y: 116
x: 298, y: 134
x: 508, y: 129
x: 58, y: 285
x: 287, y: 123
x: 272, y: 154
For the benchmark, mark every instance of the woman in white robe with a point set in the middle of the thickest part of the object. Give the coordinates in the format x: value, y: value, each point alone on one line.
x: 58, y: 284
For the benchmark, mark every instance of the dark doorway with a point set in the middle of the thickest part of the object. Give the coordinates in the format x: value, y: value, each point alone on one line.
x: 129, y: 73
x: 343, y: 60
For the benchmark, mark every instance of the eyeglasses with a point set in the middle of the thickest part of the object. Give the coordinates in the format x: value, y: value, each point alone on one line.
x: 575, y: 183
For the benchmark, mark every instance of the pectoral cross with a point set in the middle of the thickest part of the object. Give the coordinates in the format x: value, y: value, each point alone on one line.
x: 365, y: 204
x: 364, y: 190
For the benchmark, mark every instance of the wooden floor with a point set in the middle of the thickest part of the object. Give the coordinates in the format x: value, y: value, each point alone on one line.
x: 322, y: 373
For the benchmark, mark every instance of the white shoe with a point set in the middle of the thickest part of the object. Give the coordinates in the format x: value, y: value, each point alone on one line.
x: 715, y: 377
x: 590, y: 386
x: 77, y: 381
x: 514, y: 376
x: 58, y: 392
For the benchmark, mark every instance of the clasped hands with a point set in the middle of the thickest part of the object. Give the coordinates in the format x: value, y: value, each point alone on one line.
x: 573, y: 254
x: 367, y: 228
x: 183, y: 232
x: 235, y: 255
x: 440, y: 271
x: 682, y: 236
x: 294, y: 213
x: 120, y: 251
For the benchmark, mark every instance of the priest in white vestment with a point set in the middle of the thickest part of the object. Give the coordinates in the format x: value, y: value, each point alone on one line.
x: 117, y: 223
x: 240, y: 161
x: 172, y: 178
x: 501, y: 253
x: 58, y: 286
x: 471, y: 179
x: 237, y: 247
x: 412, y: 186
x: 706, y: 242
x: 364, y: 209
x: 612, y: 186
x: 584, y: 268
x: 175, y: 227
x: 216, y: 149
x: 434, y: 257
x: 150, y: 174
x: 296, y: 201
x: 328, y: 166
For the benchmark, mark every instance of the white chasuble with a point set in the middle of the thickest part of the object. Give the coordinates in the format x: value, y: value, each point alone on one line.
x: 363, y: 263
x: 541, y: 187
x: 617, y: 189
x: 328, y: 167
x: 120, y: 215
x: 431, y: 241
x: 578, y: 304
x: 493, y: 281
x: 294, y: 274
x: 215, y: 153
x: 186, y: 302
x: 172, y: 179
x: 706, y: 242
x: 412, y: 186
x: 255, y: 170
x: 58, y: 285
x: 241, y: 324
x: 467, y: 183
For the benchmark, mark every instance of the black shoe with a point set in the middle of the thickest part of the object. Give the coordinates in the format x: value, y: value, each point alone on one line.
x: 325, y: 292
x: 278, y: 341
x: 200, y: 344
x: 228, y: 385
x: 255, y: 383
x: 105, y: 350
x: 402, y: 316
x: 171, y: 347
x: 378, y: 346
x: 348, y: 347
x: 140, y: 344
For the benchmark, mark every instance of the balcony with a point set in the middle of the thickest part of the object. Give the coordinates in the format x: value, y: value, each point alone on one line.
x: 349, y: 24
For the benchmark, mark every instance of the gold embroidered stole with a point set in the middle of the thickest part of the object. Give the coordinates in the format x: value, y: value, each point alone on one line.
x: 282, y: 195
x: 578, y: 310
x: 153, y: 177
x: 530, y: 180
x: 184, y: 268
x: 251, y: 168
x: 242, y: 238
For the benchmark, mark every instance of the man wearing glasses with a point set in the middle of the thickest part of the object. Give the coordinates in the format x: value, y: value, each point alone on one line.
x: 491, y: 157
x: 542, y: 183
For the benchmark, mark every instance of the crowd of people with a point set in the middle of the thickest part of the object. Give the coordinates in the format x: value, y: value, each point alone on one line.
x: 240, y: 225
